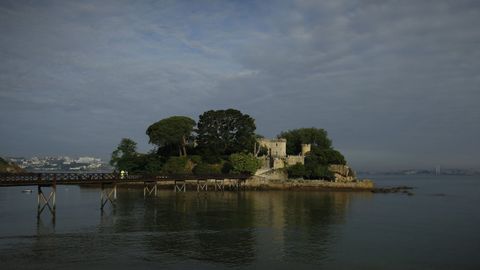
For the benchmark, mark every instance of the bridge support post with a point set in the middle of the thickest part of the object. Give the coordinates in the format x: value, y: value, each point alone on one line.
x: 202, y: 185
x: 149, y: 188
x: 45, y: 202
x: 219, y: 184
x: 233, y: 185
x: 237, y: 184
x: 180, y: 186
x: 108, y: 195
x: 241, y: 185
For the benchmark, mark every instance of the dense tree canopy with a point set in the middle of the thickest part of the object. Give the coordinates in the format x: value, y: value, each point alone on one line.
x: 224, y: 132
x: 317, y: 137
x: 172, y: 132
x: 223, y: 142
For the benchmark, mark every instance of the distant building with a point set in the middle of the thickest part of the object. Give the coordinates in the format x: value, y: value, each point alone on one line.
x: 87, y: 160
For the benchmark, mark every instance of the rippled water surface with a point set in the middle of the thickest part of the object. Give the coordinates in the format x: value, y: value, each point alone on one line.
x: 437, y: 228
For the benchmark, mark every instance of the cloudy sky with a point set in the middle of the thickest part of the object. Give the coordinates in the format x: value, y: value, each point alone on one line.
x: 395, y: 83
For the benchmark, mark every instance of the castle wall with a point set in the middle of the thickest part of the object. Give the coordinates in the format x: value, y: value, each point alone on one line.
x: 276, y: 147
x: 265, y: 162
x: 292, y: 160
x: 278, y: 163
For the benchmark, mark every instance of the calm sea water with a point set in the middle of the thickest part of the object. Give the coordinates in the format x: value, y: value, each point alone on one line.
x: 437, y: 228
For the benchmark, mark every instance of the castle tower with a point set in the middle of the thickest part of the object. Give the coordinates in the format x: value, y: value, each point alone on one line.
x: 278, y: 148
x: 306, y: 147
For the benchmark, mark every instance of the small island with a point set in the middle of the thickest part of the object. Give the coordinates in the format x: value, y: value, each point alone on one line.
x: 225, y: 142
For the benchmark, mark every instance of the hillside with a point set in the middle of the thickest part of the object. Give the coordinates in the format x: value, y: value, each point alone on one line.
x: 6, y: 166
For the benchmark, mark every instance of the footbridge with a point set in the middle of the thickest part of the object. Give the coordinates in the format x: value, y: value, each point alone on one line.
x: 46, y: 184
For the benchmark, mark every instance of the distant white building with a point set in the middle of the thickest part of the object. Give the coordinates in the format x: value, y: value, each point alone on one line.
x: 88, y: 160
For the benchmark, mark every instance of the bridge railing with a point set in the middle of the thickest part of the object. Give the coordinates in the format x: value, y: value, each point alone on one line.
x: 57, y: 177
x: 65, y: 178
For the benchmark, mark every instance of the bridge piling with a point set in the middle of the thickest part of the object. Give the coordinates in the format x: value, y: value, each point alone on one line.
x: 180, y: 186
x: 219, y: 184
x: 202, y: 185
x: 108, y: 195
x: 149, y: 188
x: 44, y: 202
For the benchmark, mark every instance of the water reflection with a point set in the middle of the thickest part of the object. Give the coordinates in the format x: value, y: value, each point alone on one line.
x: 225, y: 229
x: 247, y: 230
x: 229, y: 227
x: 46, y: 226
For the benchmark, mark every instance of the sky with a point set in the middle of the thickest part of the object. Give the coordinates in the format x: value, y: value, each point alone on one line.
x: 396, y: 84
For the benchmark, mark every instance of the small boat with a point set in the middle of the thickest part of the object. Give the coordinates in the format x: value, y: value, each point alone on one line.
x: 27, y: 191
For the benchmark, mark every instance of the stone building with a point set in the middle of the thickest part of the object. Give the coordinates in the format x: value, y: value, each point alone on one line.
x: 275, y: 147
x: 277, y: 157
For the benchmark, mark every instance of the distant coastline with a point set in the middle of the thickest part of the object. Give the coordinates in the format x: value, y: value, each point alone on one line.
x: 446, y: 171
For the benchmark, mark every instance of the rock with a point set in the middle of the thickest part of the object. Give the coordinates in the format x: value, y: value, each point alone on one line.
x: 342, y: 173
x: 401, y: 189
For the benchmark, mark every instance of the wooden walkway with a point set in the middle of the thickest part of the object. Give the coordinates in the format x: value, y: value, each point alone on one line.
x: 109, y: 181
x: 32, y: 179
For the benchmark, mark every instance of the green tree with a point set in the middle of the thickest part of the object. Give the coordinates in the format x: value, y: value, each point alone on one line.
x: 317, y: 137
x: 176, y: 165
x: 224, y: 132
x: 244, y: 163
x: 207, y: 169
x: 172, y: 132
x: 328, y: 156
x: 152, y: 162
x: 296, y: 171
x: 321, y: 155
x: 125, y: 157
x: 316, y: 169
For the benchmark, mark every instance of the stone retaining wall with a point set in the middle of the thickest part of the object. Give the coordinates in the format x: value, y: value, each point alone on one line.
x: 262, y: 183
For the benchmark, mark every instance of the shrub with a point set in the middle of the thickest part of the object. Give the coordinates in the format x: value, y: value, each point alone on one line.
x: 296, y: 171
x: 153, y: 163
x: 227, y: 167
x: 318, y: 172
x: 206, y: 169
x: 244, y: 163
x: 176, y: 165
x: 195, y: 159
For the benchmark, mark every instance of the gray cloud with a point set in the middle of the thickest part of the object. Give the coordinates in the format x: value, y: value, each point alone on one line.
x: 395, y: 83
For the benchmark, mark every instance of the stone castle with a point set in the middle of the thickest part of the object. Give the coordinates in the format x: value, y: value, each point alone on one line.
x: 277, y: 158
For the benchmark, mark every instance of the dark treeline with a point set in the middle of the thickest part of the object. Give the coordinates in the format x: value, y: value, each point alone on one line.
x: 223, y: 141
